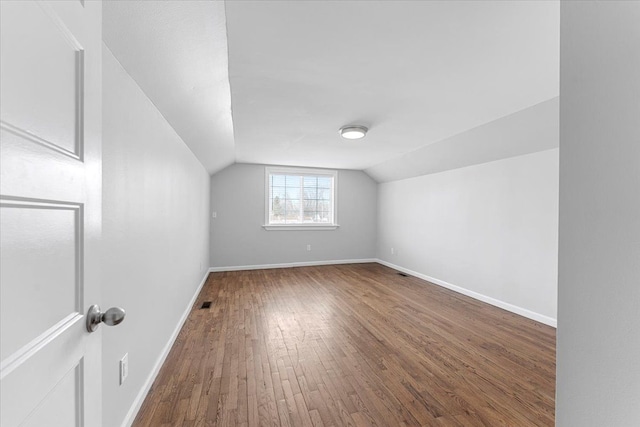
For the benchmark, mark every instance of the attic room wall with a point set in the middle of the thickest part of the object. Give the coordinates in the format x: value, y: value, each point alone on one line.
x: 238, y: 239
x: 155, y: 235
x: 488, y: 230
x: 599, y: 282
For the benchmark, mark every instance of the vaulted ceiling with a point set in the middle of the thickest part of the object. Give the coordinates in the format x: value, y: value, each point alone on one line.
x: 276, y: 83
x: 177, y: 53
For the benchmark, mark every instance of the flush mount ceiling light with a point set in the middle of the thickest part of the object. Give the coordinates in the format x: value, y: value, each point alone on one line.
x: 353, y: 132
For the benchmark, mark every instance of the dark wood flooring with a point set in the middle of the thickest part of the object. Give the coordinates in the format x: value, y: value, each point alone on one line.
x: 351, y: 345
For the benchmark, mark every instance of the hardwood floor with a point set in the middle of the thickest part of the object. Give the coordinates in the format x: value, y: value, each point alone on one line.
x: 351, y: 345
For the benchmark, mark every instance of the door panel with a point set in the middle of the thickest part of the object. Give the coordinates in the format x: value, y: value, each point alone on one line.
x: 45, y: 247
x: 41, y: 76
x: 50, y: 212
x: 62, y: 402
x: 30, y: 378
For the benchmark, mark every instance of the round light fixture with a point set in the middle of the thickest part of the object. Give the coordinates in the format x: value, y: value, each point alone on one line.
x: 353, y: 132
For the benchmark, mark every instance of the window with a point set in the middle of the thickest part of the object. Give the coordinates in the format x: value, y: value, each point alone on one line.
x: 300, y: 199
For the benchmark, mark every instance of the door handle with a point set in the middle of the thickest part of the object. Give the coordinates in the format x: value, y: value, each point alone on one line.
x: 113, y: 316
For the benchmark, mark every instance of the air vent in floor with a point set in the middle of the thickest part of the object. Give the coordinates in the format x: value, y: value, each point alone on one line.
x: 206, y: 304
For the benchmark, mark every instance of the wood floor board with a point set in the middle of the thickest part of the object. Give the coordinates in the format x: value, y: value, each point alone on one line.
x: 351, y: 345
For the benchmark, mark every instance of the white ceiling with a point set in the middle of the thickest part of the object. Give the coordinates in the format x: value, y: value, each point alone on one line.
x: 177, y: 53
x: 414, y: 72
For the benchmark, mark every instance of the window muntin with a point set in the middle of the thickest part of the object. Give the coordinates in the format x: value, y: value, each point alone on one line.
x: 300, y: 197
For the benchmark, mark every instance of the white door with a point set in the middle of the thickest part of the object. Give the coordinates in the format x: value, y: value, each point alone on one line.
x: 50, y: 212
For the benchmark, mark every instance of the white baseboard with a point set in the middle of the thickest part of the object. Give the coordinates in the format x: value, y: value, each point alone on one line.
x: 291, y: 264
x: 137, y: 403
x: 489, y: 300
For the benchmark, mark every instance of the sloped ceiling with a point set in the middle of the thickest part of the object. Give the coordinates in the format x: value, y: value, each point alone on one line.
x: 415, y: 72
x: 527, y: 131
x: 177, y: 53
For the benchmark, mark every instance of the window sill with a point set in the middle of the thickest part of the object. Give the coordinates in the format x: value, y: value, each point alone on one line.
x: 300, y: 227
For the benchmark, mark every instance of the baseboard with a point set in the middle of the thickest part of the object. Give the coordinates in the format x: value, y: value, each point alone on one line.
x: 291, y: 264
x: 489, y: 300
x: 137, y: 403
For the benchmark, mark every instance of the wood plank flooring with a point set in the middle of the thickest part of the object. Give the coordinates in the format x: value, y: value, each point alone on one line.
x: 351, y: 345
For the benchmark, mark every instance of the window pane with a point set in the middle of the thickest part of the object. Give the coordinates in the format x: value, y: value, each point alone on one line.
x: 324, y: 194
x: 324, y: 182
x: 277, y: 192
x: 310, y: 181
x: 293, y: 215
x: 310, y: 193
x: 309, y: 208
x: 292, y: 193
x: 292, y: 206
x: 277, y: 208
x: 277, y: 180
x: 292, y: 180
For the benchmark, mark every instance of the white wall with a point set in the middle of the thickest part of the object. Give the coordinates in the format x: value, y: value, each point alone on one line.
x: 490, y: 229
x: 238, y: 239
x: 155, y: 231
x: 598, y: 380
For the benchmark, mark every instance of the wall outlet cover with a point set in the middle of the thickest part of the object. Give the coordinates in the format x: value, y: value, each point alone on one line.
x: 124, y: 368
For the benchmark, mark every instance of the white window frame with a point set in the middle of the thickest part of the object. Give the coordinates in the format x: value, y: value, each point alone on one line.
x: 269, y: 170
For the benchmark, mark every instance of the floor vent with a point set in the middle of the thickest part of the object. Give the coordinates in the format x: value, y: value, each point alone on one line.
x: 206, y: 304
x: 403, y: 274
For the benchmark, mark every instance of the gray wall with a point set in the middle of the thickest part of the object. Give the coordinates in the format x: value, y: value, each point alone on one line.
x: 238, y: 239
x: 599, y: 267
x: 155, y: 234
x: 489, y: 229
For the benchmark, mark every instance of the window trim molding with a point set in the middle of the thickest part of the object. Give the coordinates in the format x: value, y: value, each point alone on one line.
x: 268, y: 170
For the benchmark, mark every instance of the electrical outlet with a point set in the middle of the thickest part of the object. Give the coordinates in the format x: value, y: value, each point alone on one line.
x: 124, y: 368
x: 308, y: 247
x: 214, y: 214
x: 393, y: 251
